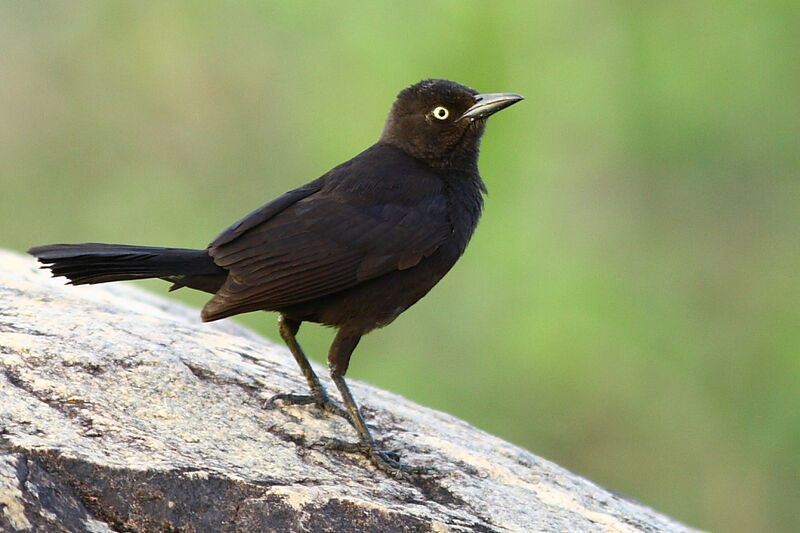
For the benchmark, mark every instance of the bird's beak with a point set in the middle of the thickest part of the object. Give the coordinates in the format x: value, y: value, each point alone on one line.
x: 490, y: 103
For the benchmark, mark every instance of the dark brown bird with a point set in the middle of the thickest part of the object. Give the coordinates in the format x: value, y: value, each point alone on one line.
x: 352, y: 249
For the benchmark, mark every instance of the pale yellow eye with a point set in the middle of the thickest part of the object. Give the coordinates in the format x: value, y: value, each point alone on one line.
x: 441, y: 112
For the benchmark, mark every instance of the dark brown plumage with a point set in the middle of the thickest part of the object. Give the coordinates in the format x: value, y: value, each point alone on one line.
x: 352, y: 249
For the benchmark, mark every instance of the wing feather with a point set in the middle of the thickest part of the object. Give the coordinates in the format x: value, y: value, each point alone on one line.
x: 326, y: 240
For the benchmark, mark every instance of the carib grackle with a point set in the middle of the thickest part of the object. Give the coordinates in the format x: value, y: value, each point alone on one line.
x: 352, y: 249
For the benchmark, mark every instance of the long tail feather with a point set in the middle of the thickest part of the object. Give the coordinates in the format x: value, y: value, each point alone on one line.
x: 100, y: 263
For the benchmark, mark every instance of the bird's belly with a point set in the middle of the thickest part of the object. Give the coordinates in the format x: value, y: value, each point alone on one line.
x: 377, y: 302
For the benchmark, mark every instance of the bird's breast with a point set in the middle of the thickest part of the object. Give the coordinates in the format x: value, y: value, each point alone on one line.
x: 465, y: 205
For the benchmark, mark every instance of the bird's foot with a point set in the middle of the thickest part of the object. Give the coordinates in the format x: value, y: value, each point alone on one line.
x: 386, y: 461
x: 321, y: 400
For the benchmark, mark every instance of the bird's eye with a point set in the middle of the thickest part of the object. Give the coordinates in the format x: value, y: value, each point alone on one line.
x: 441, y: 112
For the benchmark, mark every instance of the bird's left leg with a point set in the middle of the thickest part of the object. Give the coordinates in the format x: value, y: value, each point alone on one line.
x: 338, y: 360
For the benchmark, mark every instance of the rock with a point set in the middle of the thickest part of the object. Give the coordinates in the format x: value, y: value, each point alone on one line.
x: 121, y: 411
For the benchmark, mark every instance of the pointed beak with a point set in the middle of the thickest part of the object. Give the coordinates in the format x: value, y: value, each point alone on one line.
x: 489, y: 103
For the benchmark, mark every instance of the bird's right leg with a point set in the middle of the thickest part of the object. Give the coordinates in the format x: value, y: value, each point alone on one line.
x: 288, y: 329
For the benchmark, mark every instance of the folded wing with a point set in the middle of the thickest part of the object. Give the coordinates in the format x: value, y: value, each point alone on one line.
x: 320, y: 244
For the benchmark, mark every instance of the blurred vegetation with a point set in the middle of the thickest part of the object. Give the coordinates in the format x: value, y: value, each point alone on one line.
x: 630, y: 304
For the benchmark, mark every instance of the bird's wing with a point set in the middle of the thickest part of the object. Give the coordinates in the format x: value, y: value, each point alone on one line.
x: 322, y: 244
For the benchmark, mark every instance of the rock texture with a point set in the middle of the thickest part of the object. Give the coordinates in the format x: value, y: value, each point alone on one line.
x: 121, y: 411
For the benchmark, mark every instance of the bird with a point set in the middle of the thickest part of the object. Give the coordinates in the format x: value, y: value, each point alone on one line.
x: 351, y: 250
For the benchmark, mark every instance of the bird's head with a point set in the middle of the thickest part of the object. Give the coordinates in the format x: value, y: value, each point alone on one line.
x: 441, y: 122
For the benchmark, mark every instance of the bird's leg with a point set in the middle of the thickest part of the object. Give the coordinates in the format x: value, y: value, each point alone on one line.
x: 288, y: 329
x: 338, y: 359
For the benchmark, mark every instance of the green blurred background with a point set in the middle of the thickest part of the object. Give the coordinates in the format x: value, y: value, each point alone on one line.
x: 629, y: 306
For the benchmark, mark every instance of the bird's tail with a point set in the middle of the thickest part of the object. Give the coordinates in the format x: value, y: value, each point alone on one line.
x: 100, y: 263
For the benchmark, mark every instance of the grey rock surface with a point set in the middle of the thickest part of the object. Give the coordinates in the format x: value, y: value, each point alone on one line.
x: 121, y: 411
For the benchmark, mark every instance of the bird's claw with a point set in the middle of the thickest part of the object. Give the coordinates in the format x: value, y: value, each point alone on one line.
x: 322, y: 401
x: 384, y: 460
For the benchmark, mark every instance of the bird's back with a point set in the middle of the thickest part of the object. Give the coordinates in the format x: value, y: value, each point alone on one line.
x: 377, y: 215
